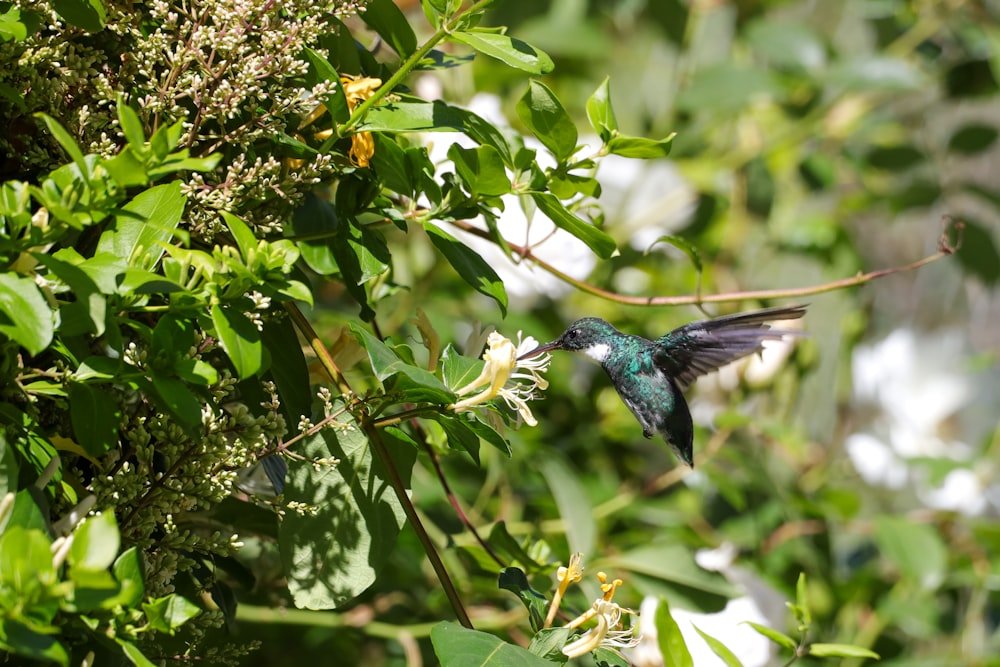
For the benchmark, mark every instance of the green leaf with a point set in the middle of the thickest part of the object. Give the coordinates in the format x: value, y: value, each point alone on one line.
x: 575, y: 507
x: 779, y: 638
x: 481, y: 169
x: 385, y: 363
x: 434, y: 117
x: 671, y: 642
x: 456, y: 646
x: 841, y: 651
x: 134, y: 655
x: 39, y: 643
x: 472, y: 268
x: 128, y: 572
x: 602, y: 244
x: 240, y: 338
x: 131, y: 125
x: 175, y: 397
x: 315, y: 221
x: 802, y: 613
x: 719, y: 649
x: 67, y: 142
x: 640, y: 147
x: 16, y: 24
x: 972, y: 139
x: 95, y: 415
x: 548, y: 643
x: 600, y: 112
x: 168, y: 613
x: 334, y: 554
x: 458, y: 370
x: 145, y: 222
x: 915, y: 548
x: 684, y: 246
x: 385, y: 18
x: 319, y: 71
x: 86, y: 14
x: 25, y: 316
x: 508, y: 50
x: 672, y: 563
x: 242, y: 234
x: 460, y: 436
x: 88, y: 311
x: 545, y: 116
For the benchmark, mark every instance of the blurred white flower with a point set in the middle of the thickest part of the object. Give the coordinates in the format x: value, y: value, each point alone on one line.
x: 916, y: 386
x: 760, y: 604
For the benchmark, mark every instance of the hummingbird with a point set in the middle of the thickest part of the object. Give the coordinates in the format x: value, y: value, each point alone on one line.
x: 650, y: 375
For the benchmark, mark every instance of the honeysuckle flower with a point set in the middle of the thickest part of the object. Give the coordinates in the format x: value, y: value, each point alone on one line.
x: 357, y: 90
x: 566, y: 575
x: 503, y: 376
x: 608, y: 633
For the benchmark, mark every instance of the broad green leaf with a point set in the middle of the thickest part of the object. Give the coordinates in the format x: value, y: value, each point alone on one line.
x: 600, y: 113
x: 128, y: 571
x: 16, y: 24
x: 456, y: 646
x: 86, y: 14
x: 481, y: 169
x: 684, y: 246
x: 668, y: 634
x: 973, y: 138
x: 242, y: 234
x: 131, y: 125
x: 385, y: 18
x: 67, y: 142
x: 841, y: 651
x: 392, y: 166
x: 472, y: 268
x: 144, y: 223
x: 175, y: 397
x: 386, y: 363
x: 333, y: 555
x: 508, y: 50
x: 545, y: 116
x: 168, y: 613
x: 315, y: 223
x: 719, y: 649
x: 459, y: 370
x: 603, y: 245
x: 35, y: 641
x: 507, y: 546
x: 460, y: 436
x: 640, y: 147
x: 434, y: 117
x: 321, y: 70
x: 132, y: 652
x: 489, y: 434
x: 915, y: 548
x: 86, y: 313
x: 95, y: 415
x: 548, y: 643
x: 672, y: 563
x: 240, y: 338
x: 25, y: 317
x: 26, y: 561
x: 779, y: 638
x: 288, y: 367
x: 575, y: 507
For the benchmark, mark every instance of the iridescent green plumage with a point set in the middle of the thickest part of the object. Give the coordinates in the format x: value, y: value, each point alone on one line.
x: 650, y: 375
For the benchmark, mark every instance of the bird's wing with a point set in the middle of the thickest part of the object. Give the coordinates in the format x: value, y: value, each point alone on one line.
x: 701, y: 347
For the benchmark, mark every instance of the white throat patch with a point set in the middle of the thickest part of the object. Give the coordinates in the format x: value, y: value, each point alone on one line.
x: 597, y: 352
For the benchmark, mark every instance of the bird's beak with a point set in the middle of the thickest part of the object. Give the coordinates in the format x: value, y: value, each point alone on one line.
x: 541, y: 349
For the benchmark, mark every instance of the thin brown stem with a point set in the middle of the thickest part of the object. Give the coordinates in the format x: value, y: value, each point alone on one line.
x: 378, y: 446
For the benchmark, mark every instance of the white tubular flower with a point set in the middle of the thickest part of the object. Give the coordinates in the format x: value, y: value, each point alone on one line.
x: 514, y: 382
x: 608, y: 632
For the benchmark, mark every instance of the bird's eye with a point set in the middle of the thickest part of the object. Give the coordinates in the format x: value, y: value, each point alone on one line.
x: 572, y: 333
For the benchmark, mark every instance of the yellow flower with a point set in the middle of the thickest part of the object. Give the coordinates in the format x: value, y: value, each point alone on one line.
x: 567, y: 575
x: 357, y: 90
x: 514, y: 383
